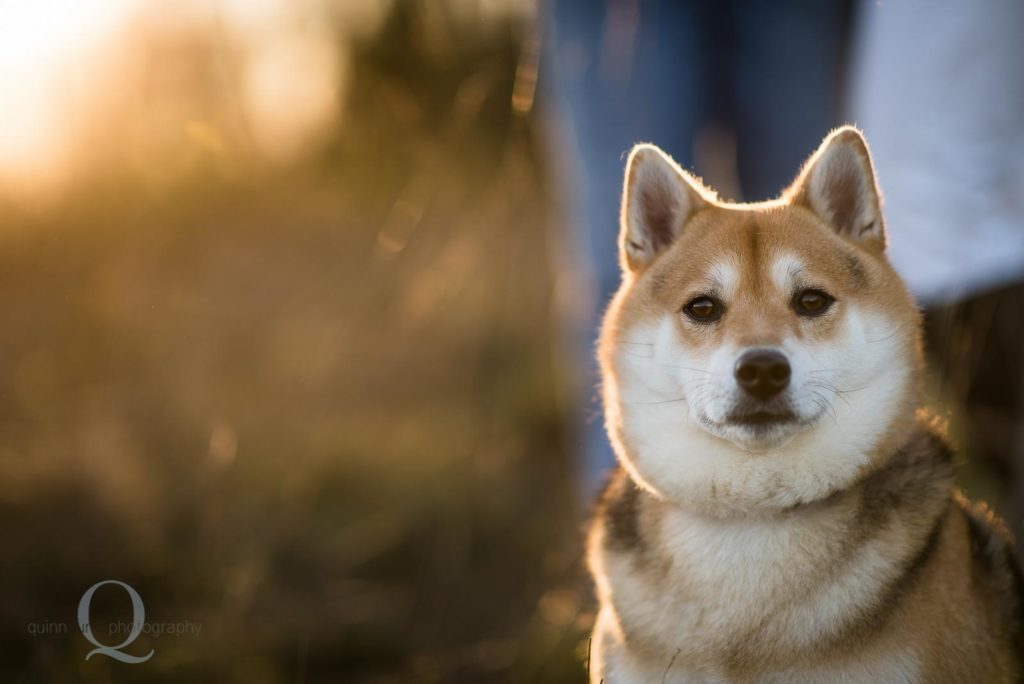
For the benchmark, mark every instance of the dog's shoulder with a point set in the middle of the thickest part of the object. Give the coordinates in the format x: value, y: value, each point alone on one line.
x: 995, y: 566
x: 916, y: 477
x: 618, y: 512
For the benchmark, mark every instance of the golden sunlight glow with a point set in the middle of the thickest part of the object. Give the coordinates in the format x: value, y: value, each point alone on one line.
x: 42, y: 43
x: 152, y: 88
x: 290, y: 90
x: 147, y: 81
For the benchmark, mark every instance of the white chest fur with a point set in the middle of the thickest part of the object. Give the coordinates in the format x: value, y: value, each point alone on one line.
x: 704, y: 594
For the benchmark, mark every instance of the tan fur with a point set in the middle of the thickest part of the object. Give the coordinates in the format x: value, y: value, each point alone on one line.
x: 818, y: 555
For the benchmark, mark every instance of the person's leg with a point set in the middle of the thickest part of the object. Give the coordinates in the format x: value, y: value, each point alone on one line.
x: 788, y: 67
x: 940, y: 97
x: 622, y: 72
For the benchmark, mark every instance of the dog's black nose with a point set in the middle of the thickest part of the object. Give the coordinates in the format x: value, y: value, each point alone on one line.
x: 762, y: 373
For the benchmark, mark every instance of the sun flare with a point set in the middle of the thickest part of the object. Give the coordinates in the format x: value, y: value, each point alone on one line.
x: 44, y: 47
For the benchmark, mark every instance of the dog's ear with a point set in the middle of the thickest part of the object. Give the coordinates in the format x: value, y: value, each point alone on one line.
x: 838, y: 184
x: 657, y: 199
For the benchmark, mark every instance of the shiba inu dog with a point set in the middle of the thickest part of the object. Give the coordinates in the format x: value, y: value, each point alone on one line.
x: 783, y: 511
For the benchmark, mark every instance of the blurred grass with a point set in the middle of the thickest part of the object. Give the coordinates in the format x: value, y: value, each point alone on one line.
x: 311, y: 408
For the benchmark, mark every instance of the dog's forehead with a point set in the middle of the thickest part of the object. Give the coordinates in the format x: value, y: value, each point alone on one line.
x: 785, y: 269
x: 729, y: 251
x: 731, y: 273
x: 723, y: 274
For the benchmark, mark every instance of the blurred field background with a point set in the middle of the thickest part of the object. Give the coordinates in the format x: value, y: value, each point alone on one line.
x: 284, y: 345
x: 277, y: 344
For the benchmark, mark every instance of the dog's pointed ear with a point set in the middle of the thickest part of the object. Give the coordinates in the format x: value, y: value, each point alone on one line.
x: 838, y: 184
x: 657, y: 199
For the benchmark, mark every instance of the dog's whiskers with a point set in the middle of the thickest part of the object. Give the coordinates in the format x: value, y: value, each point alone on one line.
x: 821, y: 407
x: 670, y: 365
x: 887, y: 337
x: 831, y: 408
x: 671, y: 662
x: 831, y: 388
x: 650, y: 403
x: 689, y: 368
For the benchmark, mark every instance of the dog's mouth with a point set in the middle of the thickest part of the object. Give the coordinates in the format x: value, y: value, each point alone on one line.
x: 761, y: 418
x: 757, y: 428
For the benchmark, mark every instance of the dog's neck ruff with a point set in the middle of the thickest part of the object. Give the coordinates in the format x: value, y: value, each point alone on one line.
x: 923, y: 440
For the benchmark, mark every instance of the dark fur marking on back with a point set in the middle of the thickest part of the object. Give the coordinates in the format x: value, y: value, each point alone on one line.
x: 990, y: 540
x: 919, y: 473
x: 995, y: 567
x: 892, y: 595
x: 909, y: 479
x: 1017, y: 634
x: 620, y: 511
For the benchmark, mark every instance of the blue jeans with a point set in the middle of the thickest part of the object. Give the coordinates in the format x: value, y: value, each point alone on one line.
x: 620, y: 72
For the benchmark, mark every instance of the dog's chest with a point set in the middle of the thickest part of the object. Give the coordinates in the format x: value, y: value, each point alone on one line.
x: 712, y: 590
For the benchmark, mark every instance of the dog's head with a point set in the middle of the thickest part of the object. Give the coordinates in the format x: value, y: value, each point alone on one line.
x: 760, y: 355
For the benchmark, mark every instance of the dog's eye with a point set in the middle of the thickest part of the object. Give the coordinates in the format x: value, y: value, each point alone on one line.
x: 704, y: 309
x: 812, y: 302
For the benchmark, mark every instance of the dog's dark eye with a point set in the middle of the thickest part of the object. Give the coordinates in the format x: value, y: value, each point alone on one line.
x: 704, y: 309
x: 812, y: 302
